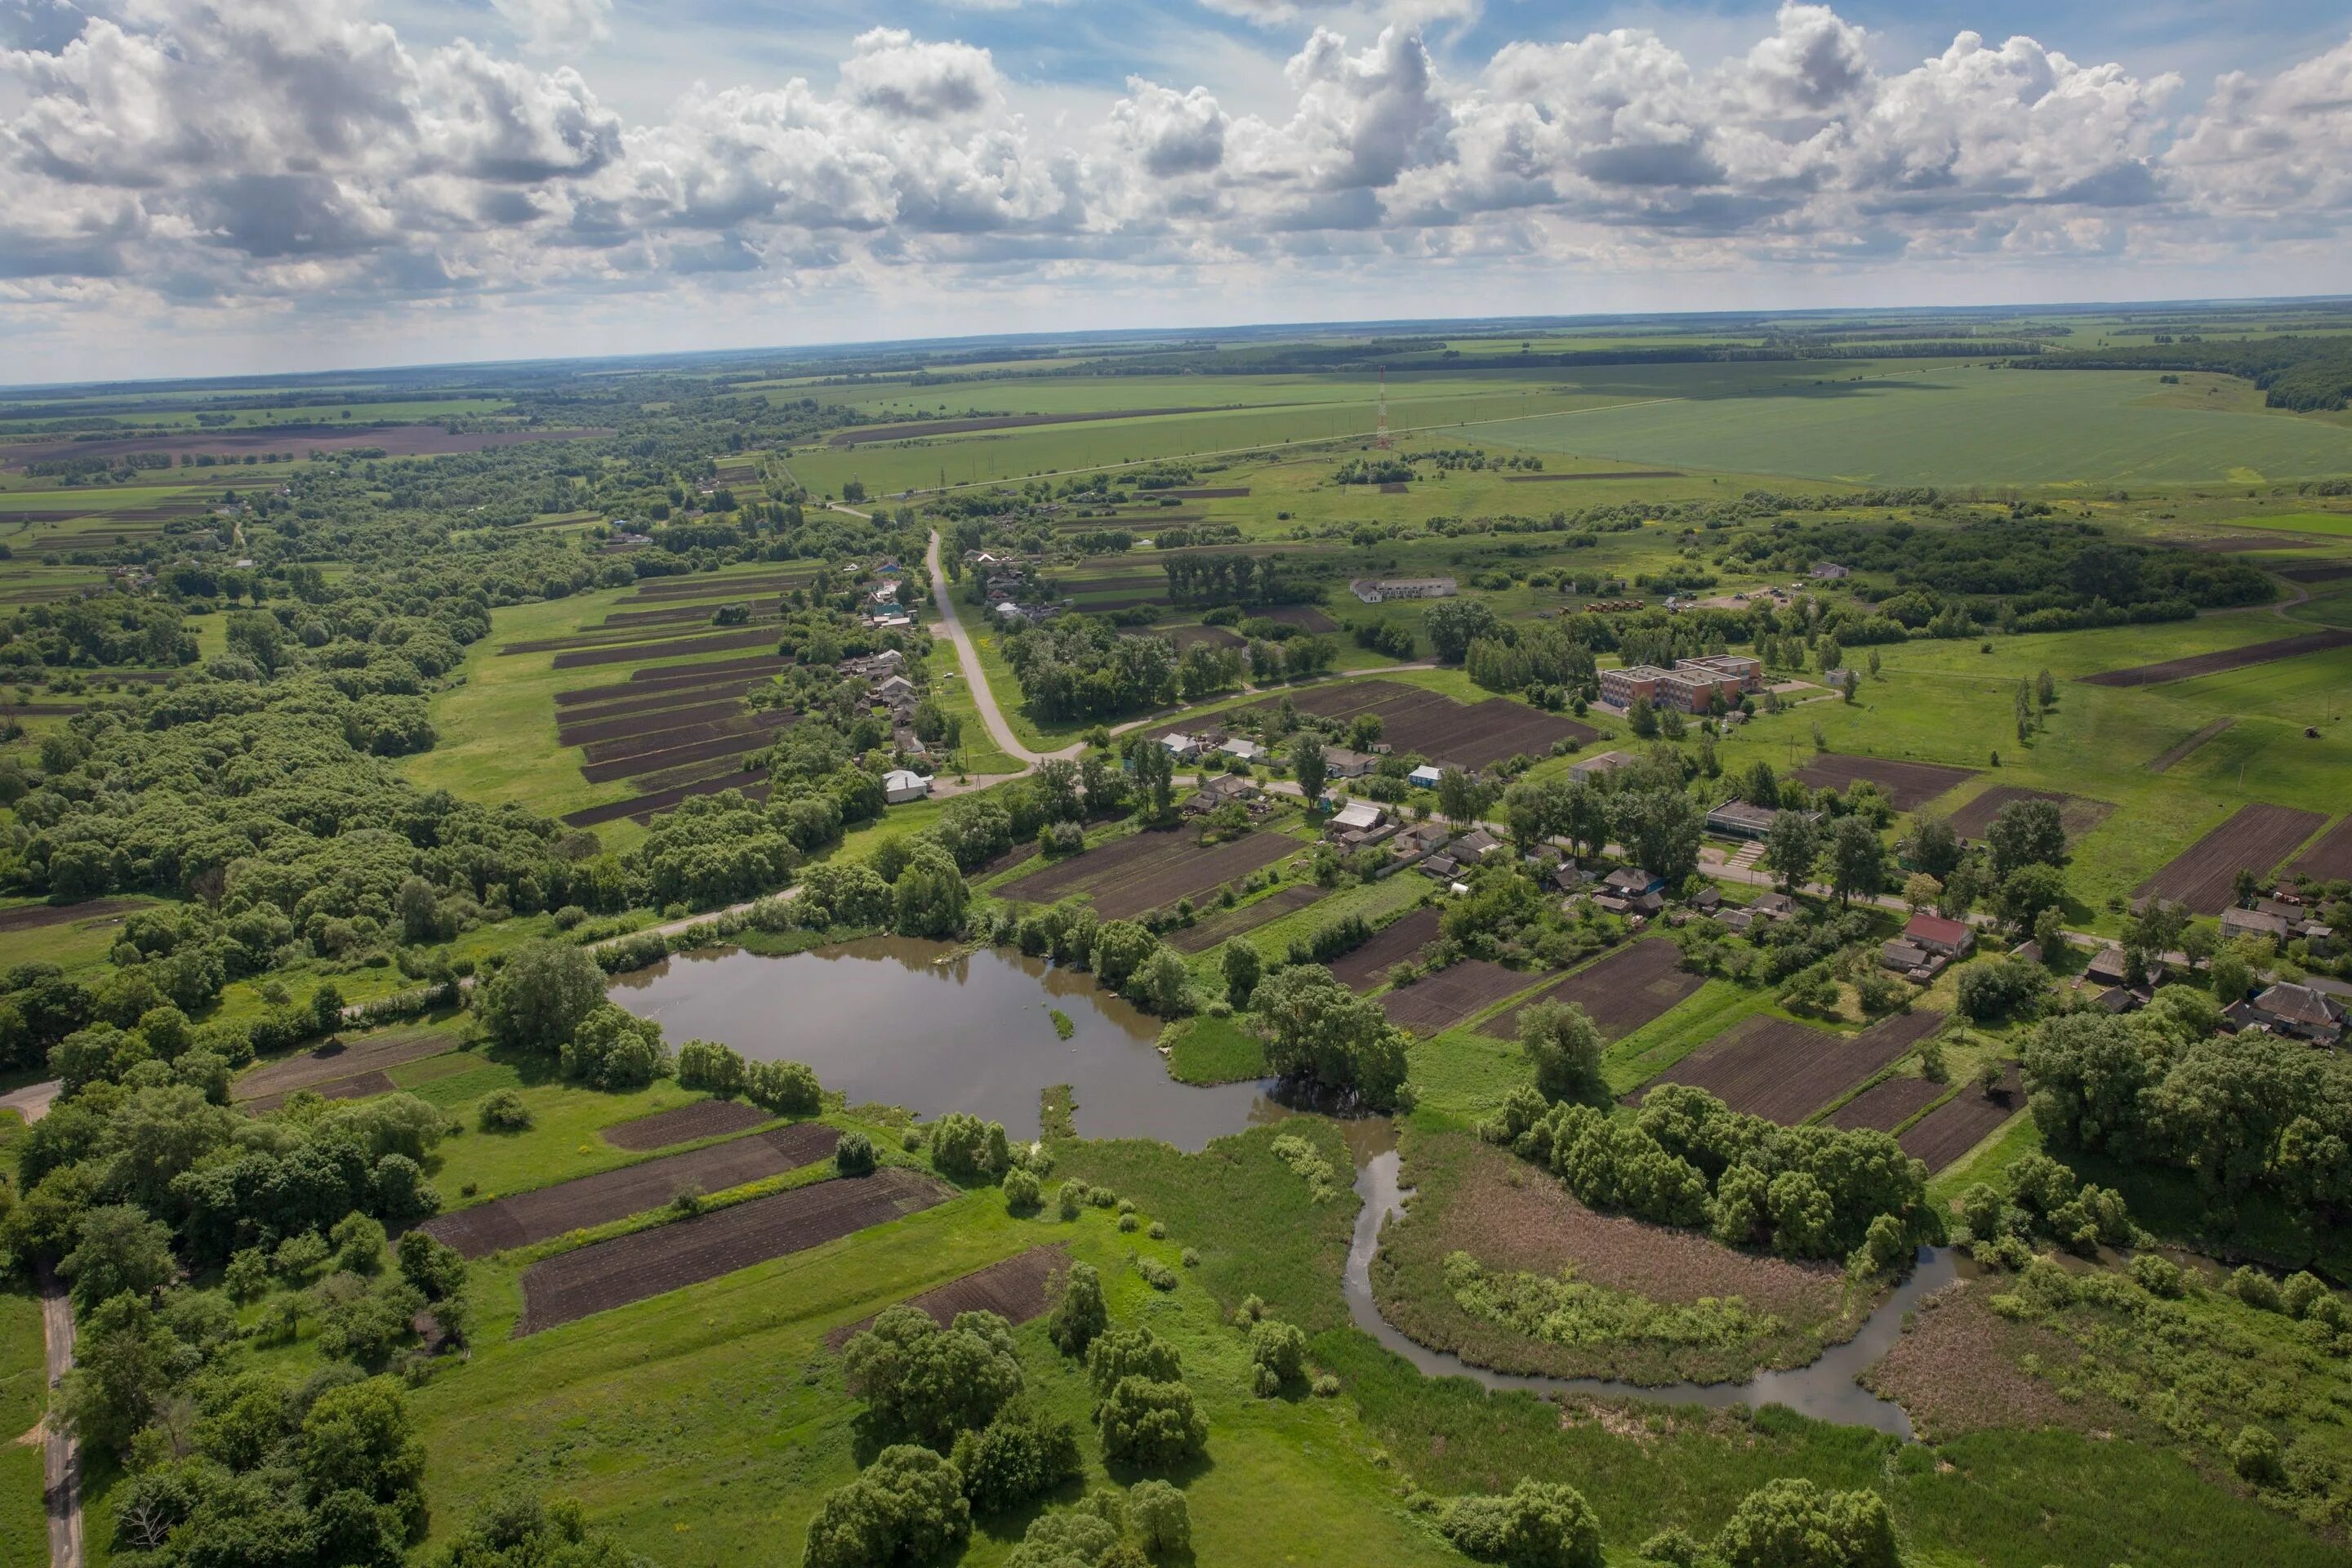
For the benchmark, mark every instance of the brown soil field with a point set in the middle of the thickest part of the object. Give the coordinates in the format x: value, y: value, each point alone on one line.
x: 677, y: 678
x: 639, y: 807
x: 1186, y: 637
x: 865, y: 435
x: 1438, y: 1001
x: 696, y: 773
x: 1909, y: 785
x: 2329, y: 859
x: 654, y: 699
x: 760, y: 609
x: 1884, y: 1107
x: 630, y: 653
x: 1401, y: 939
x: 728, y: 745
x: 1202, y: 935
x: 1019, y: 1290
x: 600, y: 1199
x: 708, y: 585
x: 1149, y: 871
x: 1217, y: 493
x: 645, y: 721
x: 360, y: 1054
x: 2328, y: 573
x: 648, y: 733
x: 1784, y: 1072
x: 1393, y: 488
x: 1465, y: 734
x: 35, y: 917
x: 1612, y: 474
x: 1620, y: 992
x: 2255, y: 836
x: 1951, y: 1129
x: 398, y: 440
x: 2173, y: 669
x: 2079, y: 814
x: 666, y: 1258
x: 1305, y: 616
x: 2164, y: 760
x: 686, y: 1124
x: 358, y: 1086
x: 1473, y: 1198
x: 1957, y: 1369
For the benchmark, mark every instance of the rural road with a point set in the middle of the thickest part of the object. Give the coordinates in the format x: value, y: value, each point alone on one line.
x: 967, y: 655
x: 61, y: 1456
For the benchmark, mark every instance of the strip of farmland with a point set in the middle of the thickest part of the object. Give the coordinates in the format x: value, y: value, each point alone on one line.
x: 357, y: 1087
x: 1907, y: 785
x: 2330, y: 859
x: 600, y: 1199
x: 1884, y: 1107
x: 865, y: 435
x: 648, y: 1263
x: 656, y: 700
x: 647, y: 720
x: 1202, y: 935
x: 2195, y: 665
x: 2256, y: 838
x: 366, y: 1053
x: 639, y: 807
x: 1398, y: 940
x: 1620, y: 994
x: 705, y: 586
x: 651, y: 733
x: 1454, y: 994
x: 1148, y: 871
x: 1784, y: 1072
x: 34, y: 916
x: 725, y: 642
x: 671, y: 679
x: 1464, y: 734
x: 1959, y: 1124
x: 702, y: 750
x: 686, y: 1124
x: 1014, y: 1289
x: 1608, y: 474
x: 2079, y: 816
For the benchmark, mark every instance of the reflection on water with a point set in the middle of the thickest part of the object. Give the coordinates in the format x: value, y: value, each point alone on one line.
x: 936, y: 1027
x: 1825, y: 1390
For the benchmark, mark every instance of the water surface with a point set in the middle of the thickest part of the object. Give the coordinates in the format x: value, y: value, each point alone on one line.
x: 937, y: 1027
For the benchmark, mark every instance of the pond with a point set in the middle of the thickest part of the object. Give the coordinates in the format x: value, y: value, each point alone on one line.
x: 936, y: 1027
x: 1825, y: 1389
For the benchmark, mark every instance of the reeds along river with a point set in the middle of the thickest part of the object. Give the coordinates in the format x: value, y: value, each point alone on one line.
x: 936, y: 1027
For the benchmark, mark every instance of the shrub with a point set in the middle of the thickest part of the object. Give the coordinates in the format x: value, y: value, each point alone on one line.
x: 247, y: 1278
x: 540, y: 995
x: 612, y: 1048
x: 2256, y: 1455
x: 853, y: 1155
x: 503, y: 1111
x: 709, y: 1066
x: 1020, y: 1191
x: 1018, y: 1455
x: 1163, y: 1523
x: 1131, y: 1352
x: 358, y: 1241
x: 907, y: 1507
x: 1156, y: 1274
x: 1080, y: 1316
x: 2158, y: 1276
x: 1150, y: 1424
x: 1539, y: 1524
x: 932, y: 1382
x: 1071, y: 1199
x: 964, y: 1146
x: 1279, y: 1351
x: 2255, y: 1289
x: 786, y: 1089
x: 1792, y: 1523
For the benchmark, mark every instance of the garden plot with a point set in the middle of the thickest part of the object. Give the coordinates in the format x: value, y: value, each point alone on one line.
x: 2214, y: 663
x: 639, y: 807
x: 2255, y: 839
x: 1370, y: 964
x: 1784, y: 1071
x: 1884, y: 1107
x: 1452, y: 995
x: 1959, y: 1125
x: 1907, y: 785
x: 340, y: 1059
x: 729, y: 743
x: 357, y: 1087
x: 2078, y: 815
x: 1149, y: 871
x: 600, y: 1199
x: 1202, y: 935
x: 649, y: 721
x: 1017, y: 1290
x: 678, y: 648
x: 1463, y: 734
x: 646, y: 1263
x: 686, y: 1124
x: 1620, y: 994
x: 2329, y: 859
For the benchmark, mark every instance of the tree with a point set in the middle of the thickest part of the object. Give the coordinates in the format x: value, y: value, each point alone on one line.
x: 612, y: 1049
x: 1643, y: 719
x: 1163, y: 1523
x: 2028, y: 890
x: 1151, y: 1425
x: 119, y: 1251
x: 1461, y: 796
x: 1320, y: 1030
x: 931, y: 1383
x: 1793, y: 1524
x: 1584, y: 817
x: 1662, y: 829
x: 1153, y: 770
x: 1079, y: 1316
x: 1018, y: 1455
x: 1932, y: 847
x: 515, y: 1529
x: 929, y: 897
x: 962, y: 1146
x: 907, y: 1507
x: 123, y: 1368
x: 1791, y: 845
x: 1453, y: 624
x: 2026, y: 833
x: 1307, y: 766
x: 1279, y: 1351
x: 1997, y: 988
x: 1241, y: 965
x: 1855, y: 859
x: 2045, y: 688
x: 541, y: 994
x: 361, y: 1461
x: 1537, y: 1524
x: 1131, y: 1353
x: 1559, y: 1038
x: 1920, y: 891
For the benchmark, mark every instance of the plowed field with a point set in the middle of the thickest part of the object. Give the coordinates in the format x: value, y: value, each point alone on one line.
x: 361, y: 1054
x: 2079, y: 815
x: 1908, y: 786
x: 1620, y: 992
x: 2329, y: 859
x: 1149, y: 871
x: 686, y: 1124
x: 681, y: 648
x: 1453, y: 995
x: 1784, y: 1072
x: 1401, y: 939
x: 1205, y: 934
x: 1884, y: 1107
x: 1951, y: 1129
x: 1016, y: 1291
x: 2256, y: 838
x: 2173, y: 669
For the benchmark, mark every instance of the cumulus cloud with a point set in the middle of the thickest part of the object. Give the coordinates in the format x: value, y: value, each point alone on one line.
x: 227, y: 150
x: 550, y: 26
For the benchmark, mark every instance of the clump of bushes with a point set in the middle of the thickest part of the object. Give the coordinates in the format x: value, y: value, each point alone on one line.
x: 503, y: 1111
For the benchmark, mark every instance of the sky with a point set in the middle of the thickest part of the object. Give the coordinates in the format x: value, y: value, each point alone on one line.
x: 193, y: 187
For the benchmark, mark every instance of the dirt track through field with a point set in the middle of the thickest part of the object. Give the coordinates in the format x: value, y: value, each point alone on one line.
x: 648, y: 1263
x: 361, y: 1054
x: 1620, y: 994
x: 600, y: 1199
x: 1951, y: 1129
x: 1459, y: 992
x: 1017, y: 1290
x: 1784, y: 1071
x: 2164, y: 760
x: 2256, y: 838
x: 1398, y: 940
x: 2329, y: 859
x: 1149, y: 871
x: 2195, y: 665
x: 1907, y: 785
x: 686, y: 1124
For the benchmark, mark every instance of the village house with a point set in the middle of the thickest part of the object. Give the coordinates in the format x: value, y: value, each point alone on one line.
x: 1594, y: 767
x: 2299, y: 1011
x: 1739, y: 820
x: 1953, y: 939
x: 1425, y: 776
x: 1248, y: 751
x: 2237, y: 923
x: 1182, y: 748
x: 1379, y: 590
x: 1219, y: 789
x: 1342, y: 764
x: 1830, y: 571
x: 1631, y: 881
x: 899, y: 786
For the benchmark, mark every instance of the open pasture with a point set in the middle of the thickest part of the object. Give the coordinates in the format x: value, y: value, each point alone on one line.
x: 866, y: 434
x: 646, y: 1263
x: 1908, y: 786
x: 2079, y: 816
x: 2222, y: 659
x: 2329, y: 858
x: 1401, y: 939
x: 2256, y: 838
x: 1148, y: 871
x: 1018, y: 1291
x: 1960, y: 1123
x: 1454, y: 994
x: 1785, y: 1072
x: 686, y: 1124
x: 590, y: 1201
x: 1620, y: 992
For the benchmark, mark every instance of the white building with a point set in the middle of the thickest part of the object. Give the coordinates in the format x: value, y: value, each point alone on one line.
x: 901, y: 785
x: 1379, y: 590
x: 1426, y: 776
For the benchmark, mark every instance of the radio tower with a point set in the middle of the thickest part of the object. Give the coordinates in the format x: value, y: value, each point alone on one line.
x: 1380, y: 437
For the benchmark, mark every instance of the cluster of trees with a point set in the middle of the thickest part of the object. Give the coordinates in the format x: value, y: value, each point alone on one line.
x: 1318, y: 1030
x: 1077, y: 667
x: 1645, y: 806
x: 1127, y: 956
x: 1688, y: 1160
x: 2246, y: 1115
x: 2299, y: 373
x: 1234, y: 579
